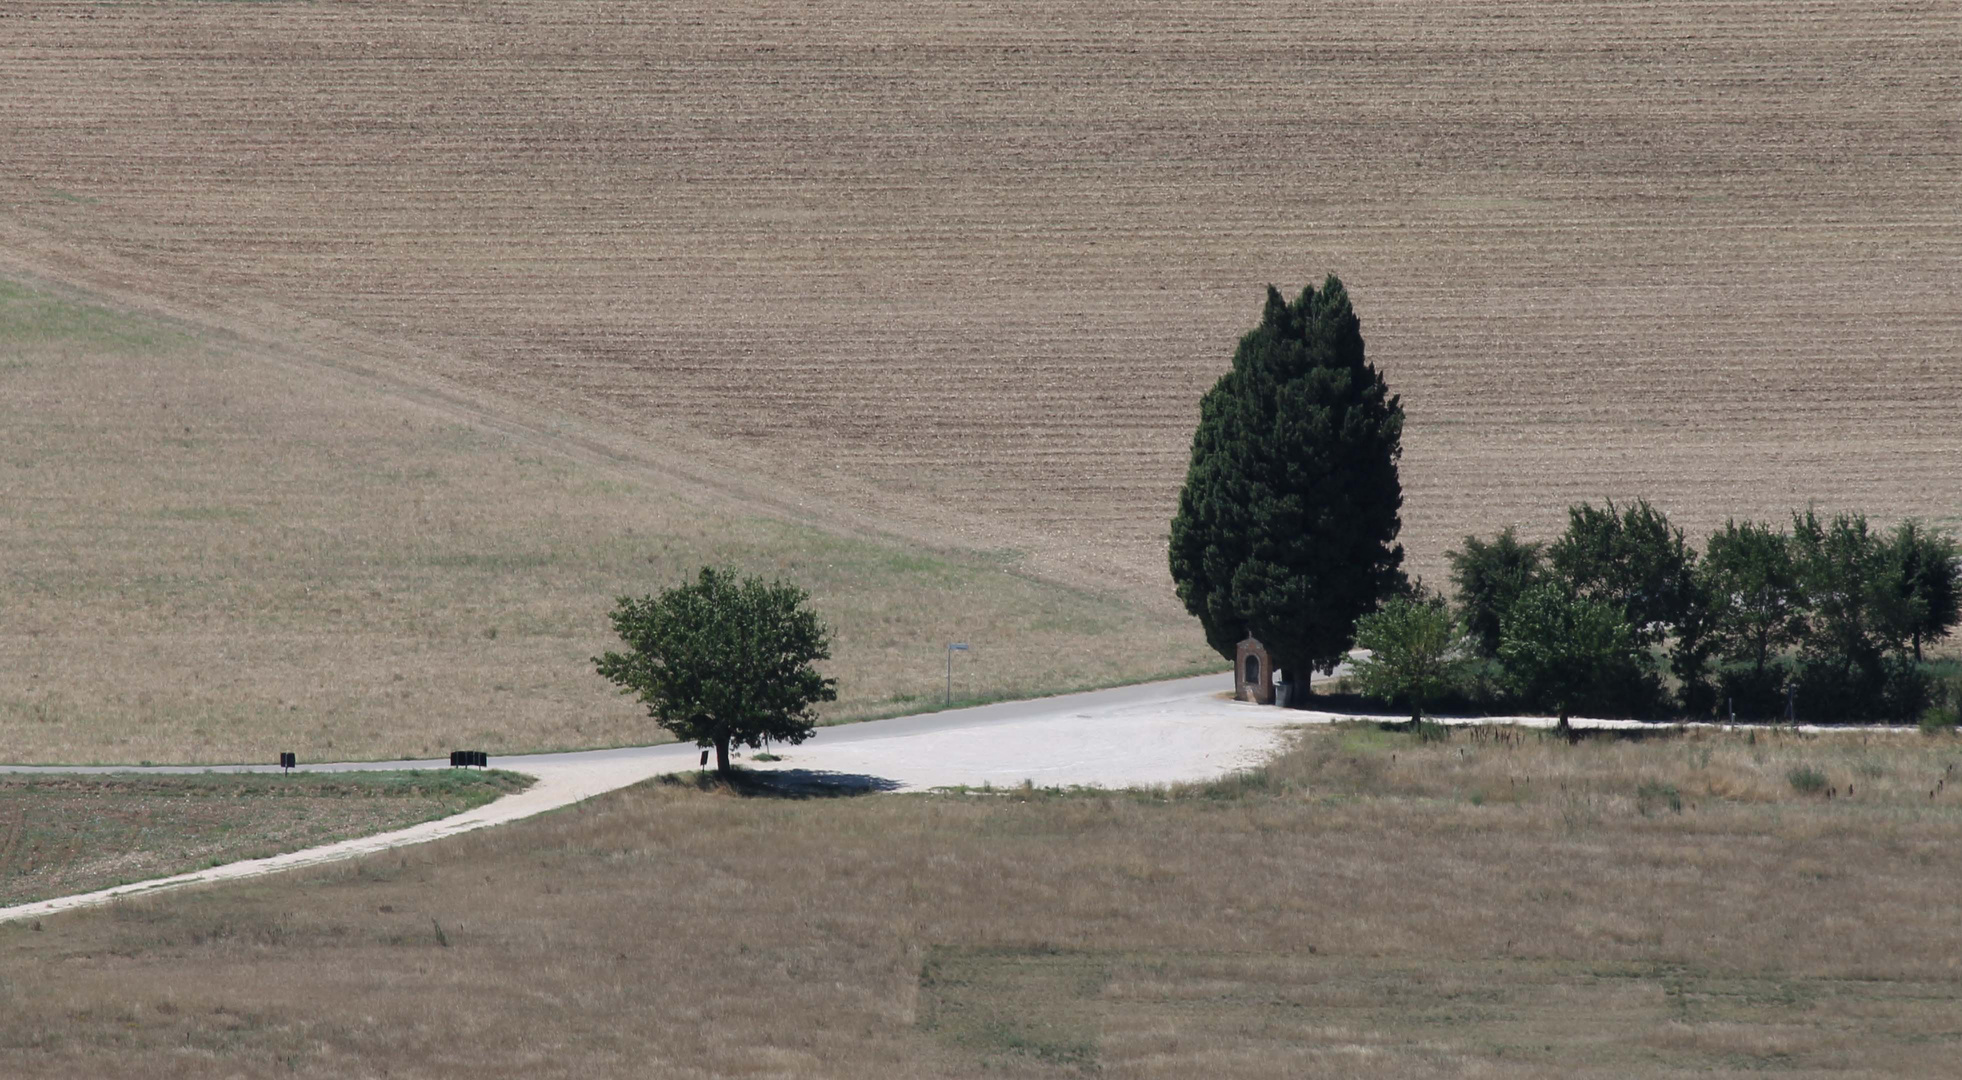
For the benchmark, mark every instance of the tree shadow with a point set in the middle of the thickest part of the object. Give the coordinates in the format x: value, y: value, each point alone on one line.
x: 1451, y: 713
x: 1363, y: 707
x: 1654, y: 732
x: 785, y: 783
x: 1429, y: 728
x: 1344, y: 704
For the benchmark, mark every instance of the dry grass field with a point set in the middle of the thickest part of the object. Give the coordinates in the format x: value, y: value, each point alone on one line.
x: 1497, y: 904
x: 475, y: 304
x: 212, y: 556
x: 66, y: 834
x: 353, y: 356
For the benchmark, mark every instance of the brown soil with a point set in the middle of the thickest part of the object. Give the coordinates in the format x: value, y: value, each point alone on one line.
x: 963, y: 270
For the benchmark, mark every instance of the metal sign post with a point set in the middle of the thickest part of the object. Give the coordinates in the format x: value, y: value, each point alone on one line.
x: 952, y: 648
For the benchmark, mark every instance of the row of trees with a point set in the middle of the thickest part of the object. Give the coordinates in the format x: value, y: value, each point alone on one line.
x: 1832, y: 612
x: 1287, y: 524
x: 1286, y: 529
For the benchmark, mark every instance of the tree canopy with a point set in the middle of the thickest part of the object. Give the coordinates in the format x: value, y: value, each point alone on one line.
x: 1752, y: 587
x: 1924, y: 570
x: 1567, y: 654
x: 1490, y: 576
x: 1842, y: 571
x: 723, y: 660
x: 1287, y: 523
x: 1413, y: 648
x: 1631, y: 558
x: 1830, y: 618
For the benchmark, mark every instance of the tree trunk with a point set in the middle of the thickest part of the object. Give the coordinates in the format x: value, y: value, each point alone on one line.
x: 722, y: 756
x: 1297, y: 689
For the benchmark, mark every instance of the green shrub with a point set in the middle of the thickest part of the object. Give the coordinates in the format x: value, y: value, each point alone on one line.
x: 1413, y: 648
x: 1888, y: 689
x: 1944, y: 711
x: 1807, y: 780
x: 1756, y: 695
x: 1569, y: 655
x: 1654, y: 793
x: 1490, y: 577
x: 1939, y: 720
x: 1906, y: 692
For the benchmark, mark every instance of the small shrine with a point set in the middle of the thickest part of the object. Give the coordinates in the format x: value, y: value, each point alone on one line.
x: 1253, y: 673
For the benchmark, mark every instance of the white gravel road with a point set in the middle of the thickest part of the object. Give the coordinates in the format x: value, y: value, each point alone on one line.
x: 1156, y: 733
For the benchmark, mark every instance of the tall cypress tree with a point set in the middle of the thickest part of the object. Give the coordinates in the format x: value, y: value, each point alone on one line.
x: 1287, y: 522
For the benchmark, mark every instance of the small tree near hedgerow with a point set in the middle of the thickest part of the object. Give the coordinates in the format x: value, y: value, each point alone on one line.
x: 1287, y: 523
x: 1757, y: 607
x: 1414, y: 649
x: 1752, y: 586
x: 1843, y: 573
x: 1925, y: 572
x: 1753, y: 610
x: 1568, y: 654
x: 723, y: 660
x: 1490, y: 576
x: 1631, y: 558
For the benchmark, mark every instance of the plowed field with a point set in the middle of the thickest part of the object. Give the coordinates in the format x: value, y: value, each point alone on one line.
x: 972, y: 264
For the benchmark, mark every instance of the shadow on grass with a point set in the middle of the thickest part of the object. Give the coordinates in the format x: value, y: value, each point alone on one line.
x: 1367, y: 708
x: 1364, y: 707
x: 783, y: 783
x: 1344, y: 704
x: 1429, y: 730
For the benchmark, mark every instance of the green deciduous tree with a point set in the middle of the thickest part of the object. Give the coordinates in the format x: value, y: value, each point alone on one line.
x: 1751, y: 584
x: 1633, y: 559
x: 1860, y: 610
x: 1490, y: 576
x: 723, y: 660
x: 1843, y: 573
x: 1690, y: 652
x: 1567, y: 653
x: 1925, y: 577
x: 1753, y: 609
x: 1287, y: 521
x: 1414, y: 647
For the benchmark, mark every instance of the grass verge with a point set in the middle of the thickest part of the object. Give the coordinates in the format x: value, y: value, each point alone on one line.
x: 1372, y: 904
x: 63, y: 834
